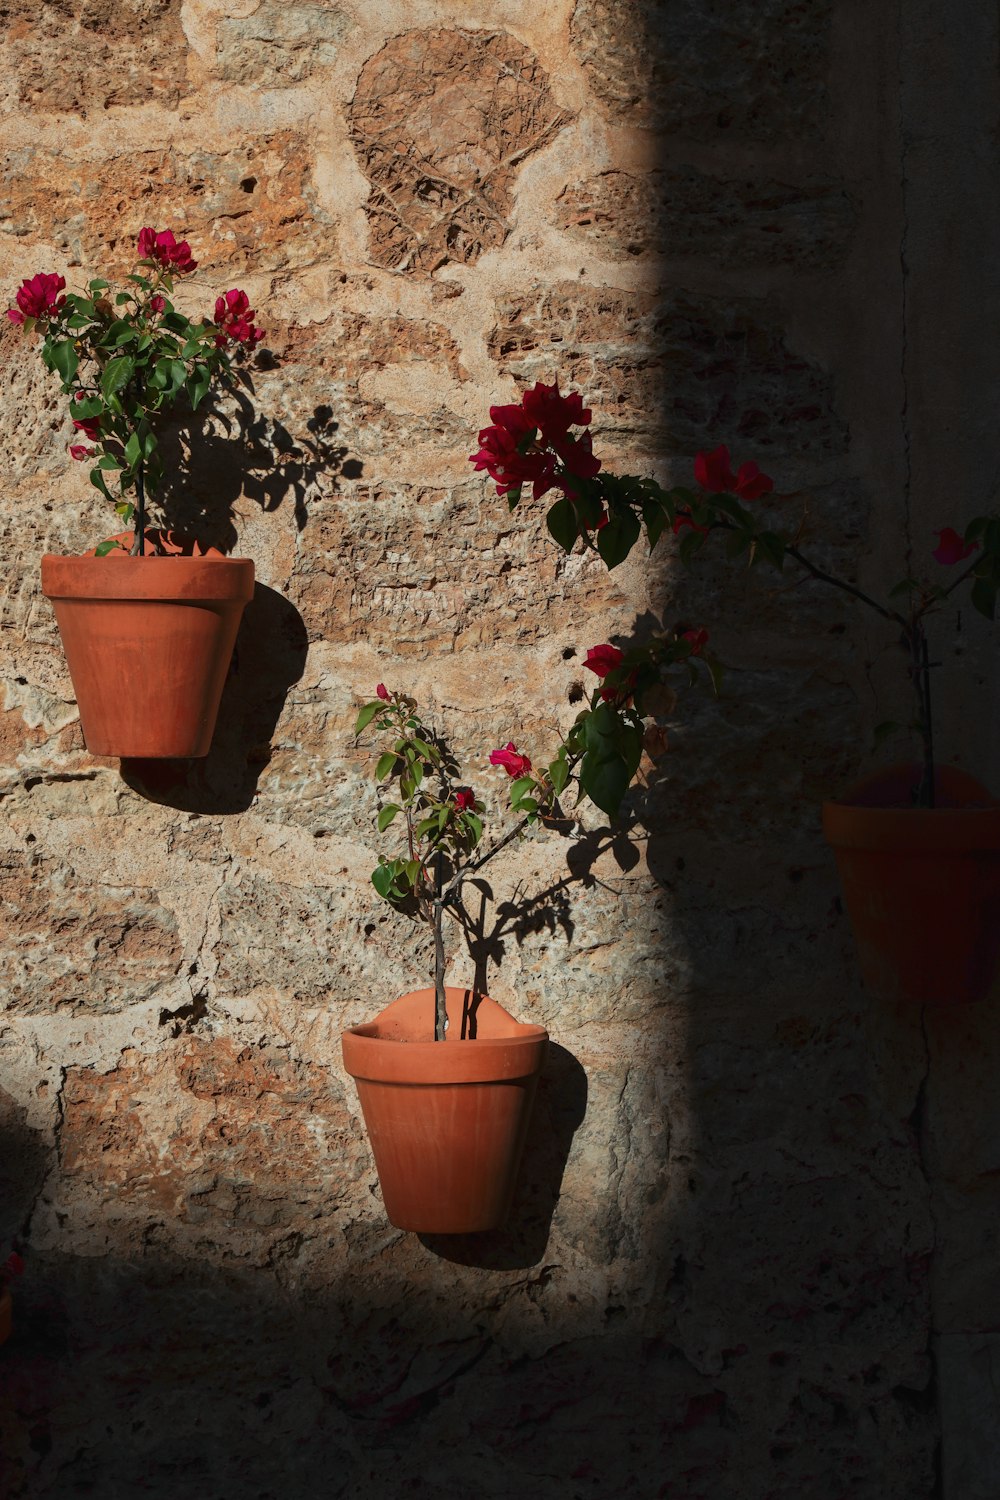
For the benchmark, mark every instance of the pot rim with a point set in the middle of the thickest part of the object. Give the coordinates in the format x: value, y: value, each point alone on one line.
x: 198, y: 579
x: 489, y: 1059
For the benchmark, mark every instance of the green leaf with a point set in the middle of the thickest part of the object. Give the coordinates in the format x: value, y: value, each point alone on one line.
x: 412, y: 872
x: 616, y: 540
x: 559, y: 774
x: 562, y: 523
x: 425, y: 750
x: 611, y: 758
x: 103, y: 548
x: 474, y: 824
x: 65, y: 361
x: 386, y: 764
x: 714, y: 668
x: 690, y: 543
x: 655, y: 516
x: 117, y: 374
x: 85, y: 407
x: 771, y: 548
x: 386, y: 815
x: 984, y: 597
x: 366, y: 715
x: 97, y: 480
x: 513, y: 498
x: 107, y: 462
x: 519, y: 786
x: 133, y: 452
x: 97, y: 285
x: 903, y: 587
x: 883, y: 731
x: 198, y: 383
x: 382, y: 880
x: 122, y: 297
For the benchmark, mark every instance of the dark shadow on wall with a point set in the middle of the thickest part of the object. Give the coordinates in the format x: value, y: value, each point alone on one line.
x: 165, y: 1377
x: 269, y: 659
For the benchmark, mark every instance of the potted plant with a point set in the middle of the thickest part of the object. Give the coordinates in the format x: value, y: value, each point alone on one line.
x: 148, y: 619
x: 445, y: 1076
x: 918, y: 845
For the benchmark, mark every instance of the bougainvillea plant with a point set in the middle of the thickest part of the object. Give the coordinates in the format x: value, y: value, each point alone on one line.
x: 126, y: 357
x: 441, y: 819
x: 530, y: 445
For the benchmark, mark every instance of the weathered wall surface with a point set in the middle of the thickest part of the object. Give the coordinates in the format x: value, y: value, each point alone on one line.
x: 717, y: 1281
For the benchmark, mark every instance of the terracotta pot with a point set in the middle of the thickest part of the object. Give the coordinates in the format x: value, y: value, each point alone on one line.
x: 921, y: 885
x: 148, y: 641
x: 446, y: 1120
x: 6, y: 1307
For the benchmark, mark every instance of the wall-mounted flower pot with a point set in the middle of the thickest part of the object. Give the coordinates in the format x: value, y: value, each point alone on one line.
x: 921, y: 885
x: 148, y: 642
x: 446, y: 1120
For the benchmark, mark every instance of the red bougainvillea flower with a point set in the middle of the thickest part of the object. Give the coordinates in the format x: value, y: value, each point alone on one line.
x: 507, y: 467
x: 90, y: 427
x: 12, y: 1266
x: 513, y: 763
x: 713, y: 472
x: 603, y: 659
x: 578, y: 455
x: 465, y: 799
x: 157, y: 303
x: 751, y: 483
x: 38, y: 298
x: 163, y: 246
x: 698, y: 639
x: 79, y: 451
x: 234, y: 318
x: 382, y: 692
x: 683, y: 518
x: 553, y: 414
x: 951, y: 548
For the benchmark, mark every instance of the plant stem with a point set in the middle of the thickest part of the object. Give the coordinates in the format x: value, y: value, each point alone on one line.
x: 921, y: 674
x: 139, y: 534
x: 440, y: 1002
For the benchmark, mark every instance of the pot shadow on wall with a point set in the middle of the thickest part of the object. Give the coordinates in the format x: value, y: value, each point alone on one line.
x: 269, y: 659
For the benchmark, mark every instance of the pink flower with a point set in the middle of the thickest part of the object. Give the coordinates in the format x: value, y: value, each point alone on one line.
x: 157, y: 303
x: 951, y: 548
x: 90, y: 427
x: 172, y: 254
x: 38, y: 298
x: 553, y: 414
x: 513, y: 763
x: 465, y: 799
x: 697, y: 639
x: 79, y: 451
x: 603, y: 659
x: 234, y: 318
x: 382, y: 692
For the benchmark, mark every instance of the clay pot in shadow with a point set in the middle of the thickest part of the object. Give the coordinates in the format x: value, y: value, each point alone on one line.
x: 921, y: 885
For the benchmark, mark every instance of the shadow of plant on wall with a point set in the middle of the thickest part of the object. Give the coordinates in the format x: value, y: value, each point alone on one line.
x: 230, y: 449
x: 269, y: 659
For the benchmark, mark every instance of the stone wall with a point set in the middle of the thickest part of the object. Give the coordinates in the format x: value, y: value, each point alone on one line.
x: 719, y: 223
